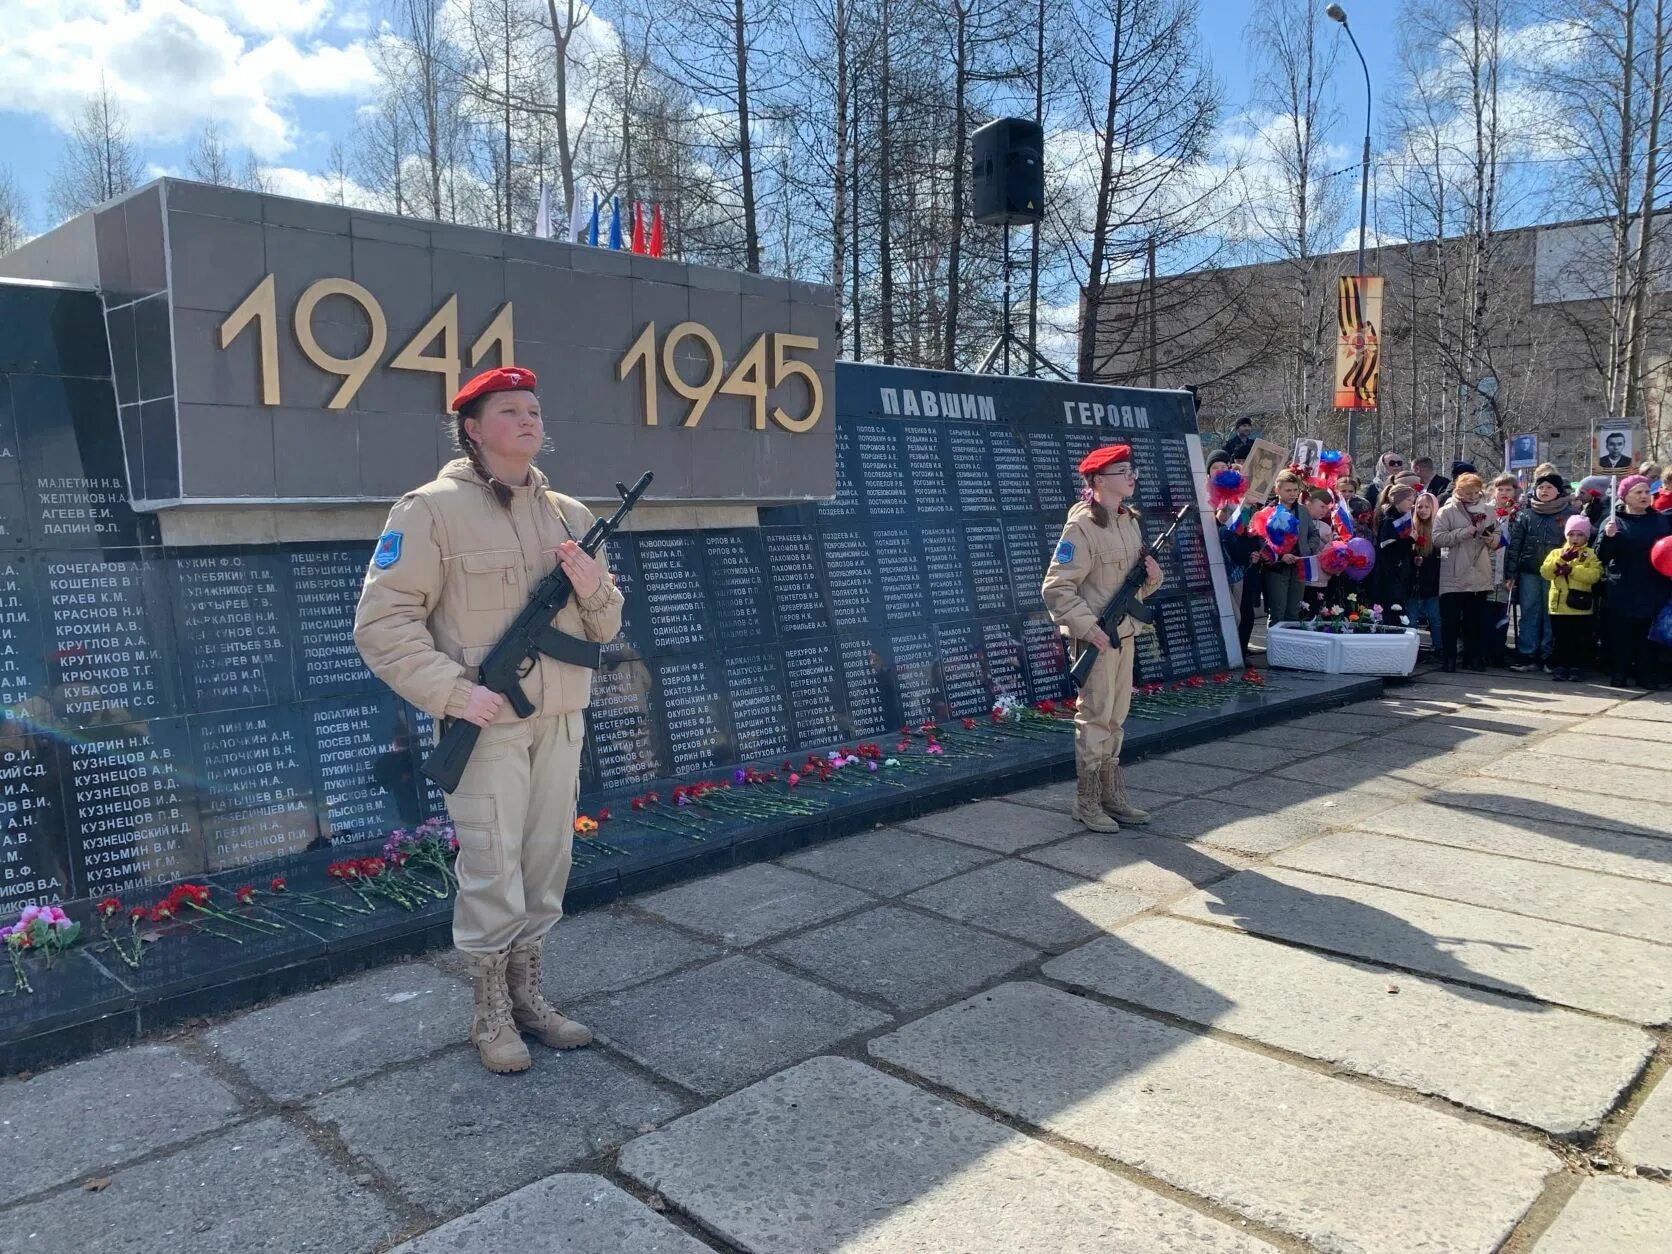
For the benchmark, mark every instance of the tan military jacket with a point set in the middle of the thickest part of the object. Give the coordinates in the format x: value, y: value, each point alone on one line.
x: 464, y: 566
x: 1088, y: 567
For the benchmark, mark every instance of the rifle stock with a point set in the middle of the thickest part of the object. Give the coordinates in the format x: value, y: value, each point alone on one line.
x: 1125, y: 603
x: 529, y: 636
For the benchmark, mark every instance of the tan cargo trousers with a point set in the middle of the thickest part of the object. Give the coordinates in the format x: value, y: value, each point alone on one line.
x: 514, y: 813
x: 1104, y: 702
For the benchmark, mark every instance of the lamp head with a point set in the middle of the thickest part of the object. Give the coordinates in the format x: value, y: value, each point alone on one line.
x: 1336, y: 12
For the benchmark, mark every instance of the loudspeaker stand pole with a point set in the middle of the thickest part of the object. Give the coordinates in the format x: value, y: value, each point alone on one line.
x: 1007, y: 333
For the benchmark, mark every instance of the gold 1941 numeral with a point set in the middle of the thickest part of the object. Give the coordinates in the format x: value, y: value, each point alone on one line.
x: 748, y: 376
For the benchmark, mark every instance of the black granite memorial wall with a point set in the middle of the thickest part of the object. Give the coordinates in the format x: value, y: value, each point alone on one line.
x: 174, y: 711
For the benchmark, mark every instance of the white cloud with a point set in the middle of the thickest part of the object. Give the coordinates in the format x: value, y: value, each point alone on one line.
x: 174, y: 63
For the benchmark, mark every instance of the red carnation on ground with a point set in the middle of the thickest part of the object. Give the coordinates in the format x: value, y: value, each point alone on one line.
x: 277, y: 884
x: 244, y: 894
x: 109, y: 906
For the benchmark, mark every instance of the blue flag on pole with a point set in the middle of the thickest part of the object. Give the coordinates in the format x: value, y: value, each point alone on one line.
x: 615, y: 223
x: 592, y: 231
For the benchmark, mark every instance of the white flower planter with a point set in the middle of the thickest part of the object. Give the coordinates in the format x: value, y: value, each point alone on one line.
x: 1377, y: 653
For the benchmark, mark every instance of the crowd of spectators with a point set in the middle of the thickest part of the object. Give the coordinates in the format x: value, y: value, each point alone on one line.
x: 1529, y: 572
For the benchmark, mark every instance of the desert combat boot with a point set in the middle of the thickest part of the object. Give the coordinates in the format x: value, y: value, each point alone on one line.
x: 492, y: 1031
x: 1113, y: 790
x: 530, y: 1010
x: 1088, y: 798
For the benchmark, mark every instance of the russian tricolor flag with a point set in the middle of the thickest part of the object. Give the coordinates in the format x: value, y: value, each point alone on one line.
x: 1310, y: 570
x: 1344, y: 519
x: 1402, y: 525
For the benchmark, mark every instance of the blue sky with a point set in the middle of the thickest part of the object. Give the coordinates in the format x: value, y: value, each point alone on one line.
x: 283, y: 77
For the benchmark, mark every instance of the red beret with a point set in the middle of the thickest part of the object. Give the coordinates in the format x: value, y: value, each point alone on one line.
x: 1108, y: 455
x: 505, y: 379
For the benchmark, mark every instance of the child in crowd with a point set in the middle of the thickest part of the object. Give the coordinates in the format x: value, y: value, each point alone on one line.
x: 1283, y: 587
x: 1393, y: 577
x: 1505, y: 491
x: 1536, y: 530
x: 1319, y: 507
x: 1424, y: 604
x: 1574, y: 572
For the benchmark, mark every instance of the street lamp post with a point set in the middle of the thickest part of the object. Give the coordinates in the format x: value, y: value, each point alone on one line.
x: 1339, y: 14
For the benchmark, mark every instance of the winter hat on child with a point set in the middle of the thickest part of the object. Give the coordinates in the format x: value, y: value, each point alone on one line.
x: 1401, y: 492
x: 1632, y: 481
x: 1554, y: 480
x: 1578, y: 525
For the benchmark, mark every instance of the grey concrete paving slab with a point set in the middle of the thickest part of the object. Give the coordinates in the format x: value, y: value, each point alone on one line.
x: 1223, y: 825
x: 1600, y: 774
x: 1403, y: 772
x: 1553, y: 1069
x: 909, y: 960
x: 1040, y: 905
x: 1515, y: 718
x: 1460, y: 731
x: 1060, y: 797
x: 62, y: 1124
x: 1607, y: 903
x: 1612, y: 975
x: 1610, y: 1215
x: 1333, y: 805
x: 1625, y: 729
x: 1156, y: 867
x: 1219, y: 753
x: 307, y: 1044
x: 1185, y: 779
x: 1342, y: 1168
x: 1346, y: 719
x: 835, y: 1156
x: 1546, y: 802
x: 1654, y: 709
x: 1583, y: 748
x: 451, y: 1134
x: 725, y: 1024
x: 563, y: 1214
x: 258, y: 1188
x: 890, y: 861
x: 1535, y: 696
x: 1647, y: 1139
x: 753, y: 902
x: 997, y: 825
x: 1281, y: 736
x: 1588, y: 848
x: 1360, y: 777
x: 606, y: 950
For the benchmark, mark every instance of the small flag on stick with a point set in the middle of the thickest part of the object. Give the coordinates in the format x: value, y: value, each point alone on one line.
x: 656, y: 231
x: 543, y: 218
x: 638, y: 229
x: 615, y: 223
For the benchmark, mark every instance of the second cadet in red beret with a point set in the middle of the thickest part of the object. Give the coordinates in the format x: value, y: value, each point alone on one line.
x: 1100, y: 542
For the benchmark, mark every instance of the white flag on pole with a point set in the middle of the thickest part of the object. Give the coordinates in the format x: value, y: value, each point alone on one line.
x: 580, y: 215
x: 543, y: 219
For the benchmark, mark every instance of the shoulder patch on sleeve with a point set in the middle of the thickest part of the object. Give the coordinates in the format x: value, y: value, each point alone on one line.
x: 388, y: 550
x: 1065, y: 551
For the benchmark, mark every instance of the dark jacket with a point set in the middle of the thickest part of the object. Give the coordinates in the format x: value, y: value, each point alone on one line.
x: 1239, y: 446
x: 1531, y: 536
x: 1394, y: 575
x: 1635, y: 588
x: 1425, y: 582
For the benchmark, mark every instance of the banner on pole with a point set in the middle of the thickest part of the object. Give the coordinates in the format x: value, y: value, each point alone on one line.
x: 1358, y: 358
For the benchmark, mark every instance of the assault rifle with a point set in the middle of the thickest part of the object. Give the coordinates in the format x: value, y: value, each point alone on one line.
x: 531, y: 635
x: 1125, y: 603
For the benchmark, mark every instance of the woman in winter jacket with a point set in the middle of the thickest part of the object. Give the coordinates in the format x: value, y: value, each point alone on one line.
x: 1536, y: 530
x: 1394, y: 575
x: 1467, y: 533
x: 1574, y: 571
x: 1636, y: 590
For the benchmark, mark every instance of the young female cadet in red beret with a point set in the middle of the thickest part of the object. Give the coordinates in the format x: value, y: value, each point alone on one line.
x: 457, y: 561
x: 1099, y: 544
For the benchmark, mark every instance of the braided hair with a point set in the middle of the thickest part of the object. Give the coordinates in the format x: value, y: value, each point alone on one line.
x: 473, y: 453
x: 1099, y: 511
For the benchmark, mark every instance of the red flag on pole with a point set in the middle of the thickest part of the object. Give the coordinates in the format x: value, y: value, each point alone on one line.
x: 656, y: 231
x: 638, y: 228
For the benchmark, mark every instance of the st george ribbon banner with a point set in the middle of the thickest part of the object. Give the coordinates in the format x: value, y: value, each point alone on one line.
x: 1358, y: 358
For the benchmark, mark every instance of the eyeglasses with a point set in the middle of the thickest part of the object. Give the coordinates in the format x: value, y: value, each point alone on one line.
x: 1118, y: 472
x: 1395, y: 461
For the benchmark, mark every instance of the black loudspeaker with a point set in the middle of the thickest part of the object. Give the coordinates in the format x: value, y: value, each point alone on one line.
x: 1008, y: 182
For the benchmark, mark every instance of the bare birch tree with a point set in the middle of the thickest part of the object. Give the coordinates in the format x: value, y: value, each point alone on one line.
x: 99, y: 160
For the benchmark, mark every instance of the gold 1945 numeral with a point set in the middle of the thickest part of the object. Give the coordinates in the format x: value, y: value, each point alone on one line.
x: 748, y: 376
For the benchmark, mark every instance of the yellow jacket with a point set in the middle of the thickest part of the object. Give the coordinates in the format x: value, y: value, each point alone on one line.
x: 1087, y: 568
x: 452, y: 569
x: 1585, y: 575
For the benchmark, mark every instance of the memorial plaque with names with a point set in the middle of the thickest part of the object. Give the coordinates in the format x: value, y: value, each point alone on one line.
x: 812, y: 677
x: 325, y: 583
x: 873, y: 695
x: 916, y: 679
x: 1047, y: 659
x: 22, y: 658
x: 900, y: 577
x: 1150, y: 664
x: 926, y: 470
x: 634, y: 637
x: 1208, y: 631
x: 972, y: 470
x: 255, y: 794
x: 1150, y: 470
x: 350, y: 737
x: 1172, y: 625
x: 432, y: 802
x: 1179, y: 478
x: 738, y: 590
x: 850, y: 575
x: 1026, y: 546
x: 847, y: 502
x: 1191, y: 562
x: 107, y: 625
x: 231, y: 620
x: 946, y: 576
x: 963, y: 678
x: 1078, y: 441
x: 622, y: 722
x: 989, y: 574
x: 792, y: 562
x: 132, y: 814
x: 74, y: 474
x: 881, y: 468
x: 693, y: 713
x: 1054, y: 480
x: 34, y: 856
x: 1012, y: 474
x: 755, y: 695
x: 1005, y: 660
x: 671, y: 589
